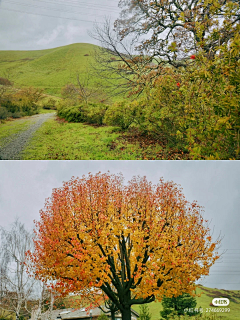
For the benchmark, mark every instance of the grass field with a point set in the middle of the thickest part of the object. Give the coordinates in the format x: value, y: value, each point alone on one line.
x: 203, y: 301
x: 207, y: 294
x: 49, y: 69
x: 60, y: 140
x: 57, y: 140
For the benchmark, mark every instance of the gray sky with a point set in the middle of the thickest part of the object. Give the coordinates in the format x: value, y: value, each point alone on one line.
x: 24, y: 186
x: 42, y: 24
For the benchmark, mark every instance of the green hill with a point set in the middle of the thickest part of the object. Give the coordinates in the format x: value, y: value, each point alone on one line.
x: 49, y: 69
x: 204, y: 301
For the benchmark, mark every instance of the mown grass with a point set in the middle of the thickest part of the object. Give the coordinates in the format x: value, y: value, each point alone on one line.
x: 9, y: 128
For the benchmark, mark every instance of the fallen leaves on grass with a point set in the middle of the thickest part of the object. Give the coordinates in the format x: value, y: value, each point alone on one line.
x: 60, y: 120
x: 153, y: 148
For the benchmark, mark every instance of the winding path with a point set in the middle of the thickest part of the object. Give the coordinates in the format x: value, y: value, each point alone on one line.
x: 17, y: 142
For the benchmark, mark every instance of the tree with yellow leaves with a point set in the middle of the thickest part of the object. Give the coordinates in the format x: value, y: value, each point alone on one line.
x: 134, y: 243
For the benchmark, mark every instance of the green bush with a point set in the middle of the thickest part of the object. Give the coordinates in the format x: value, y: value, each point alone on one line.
x: 4, y: 114
x: 24, y: 101
x: 27, y: 99
x: 162, y: 108
x: 94, y: 113
x: 123, y: 114
x: 10, y: 104
x: 194, y: 110
x: 17, y: 115
x: 91, y: 113
x: 71, y: 114
x: 50, y: 104
x: 179, y: 306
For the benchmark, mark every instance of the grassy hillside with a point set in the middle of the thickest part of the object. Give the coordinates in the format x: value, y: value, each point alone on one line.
x: 207, y: 294
x: 49, y: 69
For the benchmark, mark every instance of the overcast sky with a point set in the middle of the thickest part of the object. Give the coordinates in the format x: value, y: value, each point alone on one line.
x: 24, y: 186
x: 43, y: 24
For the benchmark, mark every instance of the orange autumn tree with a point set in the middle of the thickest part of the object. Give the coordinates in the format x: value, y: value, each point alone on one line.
x: 135, y: 243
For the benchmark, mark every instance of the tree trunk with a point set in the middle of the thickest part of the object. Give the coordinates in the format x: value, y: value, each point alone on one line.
x: 112, y: 315
x: 126, y: 314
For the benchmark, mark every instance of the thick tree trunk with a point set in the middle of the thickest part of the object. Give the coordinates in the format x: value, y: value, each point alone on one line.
x: 112, y: 315
x: 126, y: 314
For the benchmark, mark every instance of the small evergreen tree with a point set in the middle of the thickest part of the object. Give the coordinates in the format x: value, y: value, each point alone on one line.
x: 144, y: 313
x: 177, y: 305
x: 103, y: 317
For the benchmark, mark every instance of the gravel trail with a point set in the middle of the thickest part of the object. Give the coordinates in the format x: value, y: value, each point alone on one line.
x: 17, y: 142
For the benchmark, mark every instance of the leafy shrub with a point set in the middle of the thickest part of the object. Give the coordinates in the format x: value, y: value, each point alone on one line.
x: 16, y: 115
x: 4, y: 114
x: 195, y: 110
x: 71, y: 114
x: 202, y: 111
x: 24, y: 101
x: 177, y: 305
x: 94, y: 113
x: 217, y: 89
x: 50, y: 104
x: 10, y: 103
x: 91, y: 113
x: 27, y: 99
x: 162, y: 109
x: 123, y: 114
x: 184, y: 110
x: 65, y: 103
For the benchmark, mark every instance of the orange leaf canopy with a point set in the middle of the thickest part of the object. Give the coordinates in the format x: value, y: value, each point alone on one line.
x: 137, y: 240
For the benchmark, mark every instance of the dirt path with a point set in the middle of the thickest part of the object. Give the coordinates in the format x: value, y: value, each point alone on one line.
x: 12, y: 149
